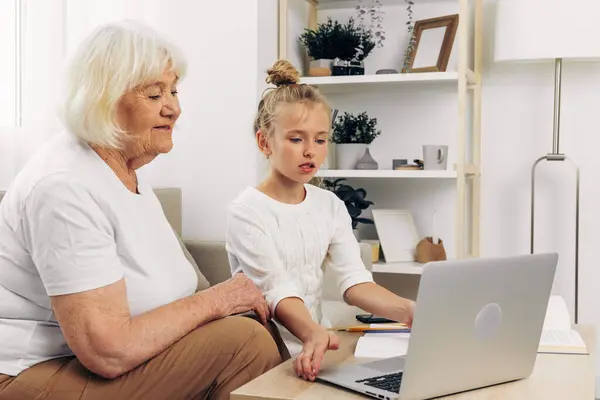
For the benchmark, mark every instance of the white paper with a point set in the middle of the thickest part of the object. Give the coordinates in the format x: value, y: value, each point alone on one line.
x: 557, y: 315
x: 382, y: 345
x: 562, y: 338
x: 430, y: 46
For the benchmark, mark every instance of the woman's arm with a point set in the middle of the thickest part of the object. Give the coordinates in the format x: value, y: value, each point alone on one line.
x: 72, y: 245
x: 98, y: 327
x: 380, y: 301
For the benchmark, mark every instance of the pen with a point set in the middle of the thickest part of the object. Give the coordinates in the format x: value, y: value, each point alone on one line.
x: 371, y: 330
x: 386, y: 331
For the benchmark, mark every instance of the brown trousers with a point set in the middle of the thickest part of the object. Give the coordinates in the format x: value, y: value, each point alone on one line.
x: 208, y: 363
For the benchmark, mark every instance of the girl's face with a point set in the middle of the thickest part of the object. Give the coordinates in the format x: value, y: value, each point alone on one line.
x: 297, y: 147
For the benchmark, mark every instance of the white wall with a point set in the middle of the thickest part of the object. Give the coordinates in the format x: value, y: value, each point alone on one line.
x: 214, y: 155
x: 517, y: 128
x: 213, y: 158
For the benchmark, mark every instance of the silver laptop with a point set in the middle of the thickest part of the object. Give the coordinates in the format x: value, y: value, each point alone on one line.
x: 477, y: 323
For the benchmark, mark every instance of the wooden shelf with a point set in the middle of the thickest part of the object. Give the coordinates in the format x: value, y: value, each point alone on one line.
x: 354, y: 83
x: 409, y: 268
x: 383, y: 173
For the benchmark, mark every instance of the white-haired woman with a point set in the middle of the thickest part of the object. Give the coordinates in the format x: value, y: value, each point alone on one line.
x: 97, y: 299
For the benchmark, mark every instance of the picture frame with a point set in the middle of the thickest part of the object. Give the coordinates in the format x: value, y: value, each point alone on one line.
x: 434, y: 40
x: 397, y: 234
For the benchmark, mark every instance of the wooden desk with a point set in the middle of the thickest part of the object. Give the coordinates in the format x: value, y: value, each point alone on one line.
x: 555, y: 376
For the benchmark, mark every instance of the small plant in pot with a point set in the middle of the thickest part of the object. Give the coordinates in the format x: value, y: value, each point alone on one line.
x: 343, y: 43
x: 352, y: 134
x: 354, y: 199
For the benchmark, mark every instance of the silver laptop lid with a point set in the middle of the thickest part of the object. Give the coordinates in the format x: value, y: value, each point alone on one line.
x: 478, y: 322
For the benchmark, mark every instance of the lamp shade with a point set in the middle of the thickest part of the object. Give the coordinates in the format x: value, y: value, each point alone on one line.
x: 531, y: 30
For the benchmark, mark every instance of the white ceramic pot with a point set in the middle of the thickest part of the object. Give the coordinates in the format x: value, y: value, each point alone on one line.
x: 348, y: 154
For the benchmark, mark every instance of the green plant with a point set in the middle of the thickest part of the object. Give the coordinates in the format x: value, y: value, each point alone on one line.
x: 354, y: 199
x: 355, y: 129
x: 332, y: 40
x: 412, y: 40
x: 375, y: 15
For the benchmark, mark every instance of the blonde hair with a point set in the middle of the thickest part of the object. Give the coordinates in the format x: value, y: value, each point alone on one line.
x: 111, y: 61
x: 287, y: 91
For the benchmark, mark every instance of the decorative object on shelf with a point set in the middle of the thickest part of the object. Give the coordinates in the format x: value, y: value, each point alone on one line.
x: 517, y: 39
x: 339, y: 67
x: 367, y: 161
x: 397, y: 234
x: 356, y: 67
x: 332, y: 40
x: 352, y: 134
x: 396, y: 164
x: 354, y: 199
x: 430, y: 250
x: 435, y: 157
x: 375, y: 14
x: 434, y: 39
x: 418, y: 165
x: 375, y: 245
x: 385, y: 71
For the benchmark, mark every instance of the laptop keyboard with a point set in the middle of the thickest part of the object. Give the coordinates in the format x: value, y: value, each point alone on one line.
x: 390, y: 382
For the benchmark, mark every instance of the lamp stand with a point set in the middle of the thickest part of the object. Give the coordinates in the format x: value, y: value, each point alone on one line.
x: 557, y: 156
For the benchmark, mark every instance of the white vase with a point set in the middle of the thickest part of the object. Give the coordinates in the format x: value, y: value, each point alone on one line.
x: 348, y: 154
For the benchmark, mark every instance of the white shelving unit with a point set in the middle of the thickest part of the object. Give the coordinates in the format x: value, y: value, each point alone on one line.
x: 409, y: 268
x: 383, y: 173
x: 463, y: 82
x: 345, y: 84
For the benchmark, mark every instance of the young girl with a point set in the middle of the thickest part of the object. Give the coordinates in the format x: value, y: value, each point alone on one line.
x: 280, y: 233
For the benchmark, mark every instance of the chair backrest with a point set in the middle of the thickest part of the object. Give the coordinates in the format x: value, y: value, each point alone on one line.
x: 170, y: 199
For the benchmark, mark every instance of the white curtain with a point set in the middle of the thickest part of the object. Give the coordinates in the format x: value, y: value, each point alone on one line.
x: 49, y: 31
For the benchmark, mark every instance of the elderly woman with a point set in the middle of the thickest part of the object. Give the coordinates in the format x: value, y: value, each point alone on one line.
x: 97, y: 299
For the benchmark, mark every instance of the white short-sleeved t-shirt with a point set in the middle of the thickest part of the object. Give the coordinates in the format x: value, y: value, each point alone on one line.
x: 68, y: 225
x: 283, y: 248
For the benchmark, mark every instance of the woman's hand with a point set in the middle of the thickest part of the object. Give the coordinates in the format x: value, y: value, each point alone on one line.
x: 238, y: 295
x: 308, y: 363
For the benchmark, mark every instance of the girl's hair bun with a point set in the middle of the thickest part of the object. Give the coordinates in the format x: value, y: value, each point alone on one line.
x: 282, y: 73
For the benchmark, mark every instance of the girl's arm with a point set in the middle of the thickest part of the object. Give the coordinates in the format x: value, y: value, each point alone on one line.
x: 252, y: 249
x: 379, y: 301
x: 355, y: 282
x: 292, y: 313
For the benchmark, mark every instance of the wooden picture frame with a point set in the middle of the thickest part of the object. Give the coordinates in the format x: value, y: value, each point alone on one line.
x: 397, y: 234
x: 428, y: 33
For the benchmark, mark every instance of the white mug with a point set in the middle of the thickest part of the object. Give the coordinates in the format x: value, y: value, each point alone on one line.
x: 435, y: 157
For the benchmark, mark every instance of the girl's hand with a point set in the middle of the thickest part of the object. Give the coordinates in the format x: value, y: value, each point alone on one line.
x: 308, y: 363
x: 407, y: 313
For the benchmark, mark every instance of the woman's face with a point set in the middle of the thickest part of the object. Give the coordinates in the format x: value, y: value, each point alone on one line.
x: 148, y: 114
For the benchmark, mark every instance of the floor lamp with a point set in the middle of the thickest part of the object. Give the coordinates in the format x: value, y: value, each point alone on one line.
x: 549, y: 31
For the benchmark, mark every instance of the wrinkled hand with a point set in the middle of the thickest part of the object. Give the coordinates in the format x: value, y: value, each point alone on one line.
x: 238, y: 295
x: 308, y: 363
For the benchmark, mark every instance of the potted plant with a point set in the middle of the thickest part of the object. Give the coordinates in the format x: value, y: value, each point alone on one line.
x: 354, y: 199
x: 352, y: 134
x: 335, y: 41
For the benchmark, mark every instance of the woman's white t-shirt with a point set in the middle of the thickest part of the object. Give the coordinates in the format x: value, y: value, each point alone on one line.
x: 284, y: 248
x: 68, y: 225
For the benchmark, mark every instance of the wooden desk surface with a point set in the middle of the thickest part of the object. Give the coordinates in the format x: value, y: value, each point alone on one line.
x: 555, y: 376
